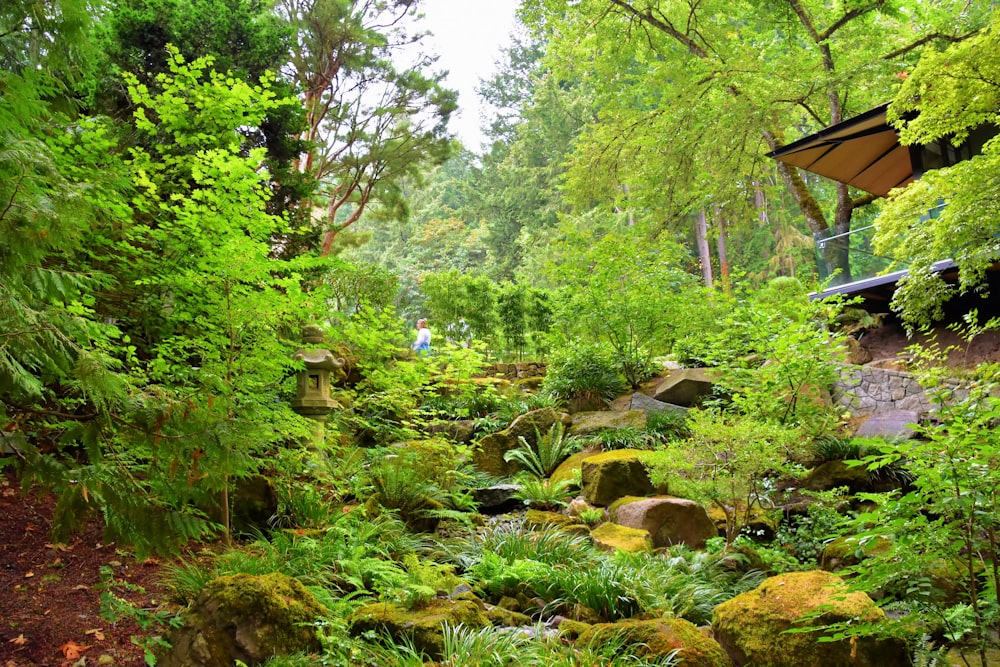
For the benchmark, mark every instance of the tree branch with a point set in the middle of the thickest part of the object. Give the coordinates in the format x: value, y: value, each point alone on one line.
x: 927, y: 38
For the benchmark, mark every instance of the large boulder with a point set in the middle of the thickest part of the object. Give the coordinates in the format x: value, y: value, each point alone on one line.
x: 686, y: 387
x: 489, y: 451
x: 608, y: 476
x: 585, y: 423
x: 245, y: 618
x: 498, y: 499
x: 668, y: 520
x: 659, y: 638
x: 751, y: 627
x: 422, y: 627
x: 460, y: 430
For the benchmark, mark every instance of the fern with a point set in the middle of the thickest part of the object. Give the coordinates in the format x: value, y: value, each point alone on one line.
x: 549, y: 450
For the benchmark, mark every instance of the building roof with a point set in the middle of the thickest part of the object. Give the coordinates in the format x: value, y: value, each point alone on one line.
x: 863, y: 151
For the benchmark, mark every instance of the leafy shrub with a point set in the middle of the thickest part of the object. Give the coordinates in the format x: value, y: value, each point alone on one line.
x: 804, y: 536
x: 831, y: 447
x: 727, y: 462
x: 515, y: 541
x: 583, y: 372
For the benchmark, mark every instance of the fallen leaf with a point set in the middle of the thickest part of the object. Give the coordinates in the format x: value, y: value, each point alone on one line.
x: 72, y: 650
x: 98, y: 634
x: 81, y: 587
x: 29, y: 575
x: 20, y: 640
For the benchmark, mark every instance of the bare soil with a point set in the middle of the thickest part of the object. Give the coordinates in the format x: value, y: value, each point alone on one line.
x: 889, y: 341
x: 50, y: 593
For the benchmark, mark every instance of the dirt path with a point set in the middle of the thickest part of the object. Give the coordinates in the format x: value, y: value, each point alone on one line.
x: 50, y: 593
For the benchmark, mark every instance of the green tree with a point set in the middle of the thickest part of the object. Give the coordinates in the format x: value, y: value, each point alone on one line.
x: 199, y: 308
x: 245, y: 38
x: 626, y: 291
x: 689, y: 96
x: 952, y: 96
x: 370, y: 124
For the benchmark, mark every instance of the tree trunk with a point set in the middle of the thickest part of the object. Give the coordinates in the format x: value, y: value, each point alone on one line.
x: 723, y: 256
x: 701, y: 233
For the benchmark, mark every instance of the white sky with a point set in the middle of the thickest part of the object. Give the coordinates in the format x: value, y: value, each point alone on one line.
x: 468, y: 36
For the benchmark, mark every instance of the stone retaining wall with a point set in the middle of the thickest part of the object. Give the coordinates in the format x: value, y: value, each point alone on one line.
x: 866, y: 390
x: 516, y: 371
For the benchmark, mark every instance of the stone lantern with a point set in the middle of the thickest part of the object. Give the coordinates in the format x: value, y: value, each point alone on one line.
x: 312, y: 393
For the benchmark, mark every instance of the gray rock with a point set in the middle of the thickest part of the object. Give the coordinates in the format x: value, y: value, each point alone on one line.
x: 497, y: 499
x: 687, y: 387
x: 890, y: 424
x: 669, y: 521
x: 649, y: 404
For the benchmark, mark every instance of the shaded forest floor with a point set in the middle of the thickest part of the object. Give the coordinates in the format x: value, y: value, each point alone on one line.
x: 50, y: 593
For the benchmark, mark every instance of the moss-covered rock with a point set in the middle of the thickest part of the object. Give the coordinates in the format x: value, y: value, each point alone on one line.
x: 506, y: 618
x: 659, y: 638
x: 846, y: 551
x: 751, y: 626
x: 613, y: 537
x: 571, y: 629
x: 608, y: 476
x: 585, y: 423
x: 489, y: 451
x: 423, y: 627
x: 246, y: 618
x: 759, y: 527
x: 568, y: 469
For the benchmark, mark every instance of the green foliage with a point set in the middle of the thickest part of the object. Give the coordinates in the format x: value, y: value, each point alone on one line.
x: 942, y: 528
x: 548, y: 451
x: 666, y: 425
x: 945, y: 98
x: 626, y: 437
x: 516, y: 541
x: 728, y: 462
x: 579, y: 371
x: 352, y: 288
x: 498, y: 576
x: 545, y: 494
x: 804, y: 536
x: 454, y: 298
x: 627, y: 294
x: 351, y: 555
x: 776, y: 354
x: 593, y: 516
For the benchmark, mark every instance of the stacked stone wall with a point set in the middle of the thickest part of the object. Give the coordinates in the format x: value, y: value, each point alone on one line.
x: 867, y: 390
x: 515, y: 371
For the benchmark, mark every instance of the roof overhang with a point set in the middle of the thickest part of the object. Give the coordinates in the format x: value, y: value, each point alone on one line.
x: 863, y: 151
